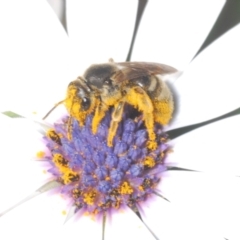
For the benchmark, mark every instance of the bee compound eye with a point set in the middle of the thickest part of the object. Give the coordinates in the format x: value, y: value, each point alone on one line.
x: 85, y: 103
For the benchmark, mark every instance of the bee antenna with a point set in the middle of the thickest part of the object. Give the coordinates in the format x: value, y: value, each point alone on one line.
x: 48, y: 113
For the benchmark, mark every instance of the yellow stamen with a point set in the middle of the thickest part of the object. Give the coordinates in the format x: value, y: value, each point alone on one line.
x: 40, y: 154
x: 146, y: 184
x: 68, y: 175
x: 149, y: 162
x: 117, y: 204
x: 54, y: 136
x: 89, y: 197
x: 125, y: 188
x: 76, y: 193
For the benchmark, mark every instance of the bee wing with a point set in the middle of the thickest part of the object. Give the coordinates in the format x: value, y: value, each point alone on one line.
x: 132, y: 70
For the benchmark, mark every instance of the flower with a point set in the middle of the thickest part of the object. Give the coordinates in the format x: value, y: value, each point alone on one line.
x: 204, y: 198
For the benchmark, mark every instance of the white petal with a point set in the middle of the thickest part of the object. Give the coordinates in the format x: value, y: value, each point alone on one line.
x: 212, y: 148
x: 36, y: 59
x: 231, y: 211
x: 121, y: 225
x: 126, y: 225
x: 83, y: 227
x: 181, y: 186
x: 210, y: 86
x: 170, y: 221
x: 58, y: 7
x: 19, y: 139
x: 159, y: 215
x: 101, y: 29
x: 200, y: 201
x: 171, y: 32
x: 19, y: 175
x: 39, y: 218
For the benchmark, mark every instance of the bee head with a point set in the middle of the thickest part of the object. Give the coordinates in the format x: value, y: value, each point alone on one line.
x: 80, y: 93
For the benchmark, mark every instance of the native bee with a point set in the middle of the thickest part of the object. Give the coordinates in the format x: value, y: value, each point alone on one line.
x: 113, y: 84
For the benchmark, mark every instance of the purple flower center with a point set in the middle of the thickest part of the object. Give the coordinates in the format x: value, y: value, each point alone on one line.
x: 99, y: 178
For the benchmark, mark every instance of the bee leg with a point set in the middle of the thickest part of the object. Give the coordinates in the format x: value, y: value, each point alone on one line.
x: 163, y: 105
x: 163, y: 111
x: 139, y: 98
x: 69, y: 128
x: 116, y: 118
x: 98, y: 116
x: 70, y: 121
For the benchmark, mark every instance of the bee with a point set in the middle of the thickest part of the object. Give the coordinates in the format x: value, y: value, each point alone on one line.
x: 138, y: 84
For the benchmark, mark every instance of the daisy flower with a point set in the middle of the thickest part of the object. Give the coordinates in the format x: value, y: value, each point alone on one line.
x: 185, y: 189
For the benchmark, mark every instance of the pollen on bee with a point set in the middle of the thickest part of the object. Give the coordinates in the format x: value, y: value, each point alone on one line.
x: 163, y: 111
x: 151, y: 145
